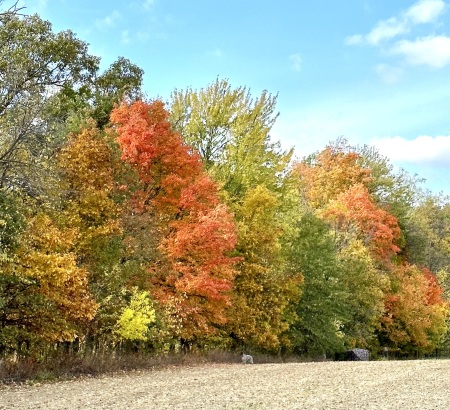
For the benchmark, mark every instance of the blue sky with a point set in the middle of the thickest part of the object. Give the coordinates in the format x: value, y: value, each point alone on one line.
x: 376, y: 72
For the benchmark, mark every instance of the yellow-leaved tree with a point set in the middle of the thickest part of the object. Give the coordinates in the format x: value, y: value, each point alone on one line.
x: 136, y: 318
x: 57, y: 299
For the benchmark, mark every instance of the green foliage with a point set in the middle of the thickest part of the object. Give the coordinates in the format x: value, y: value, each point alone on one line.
x: 323, y: 308
x: 393, y: 190
x: 264, y: 288
x: 429, y: 234
x: 364, y: 294
x: 12, y: 221
x: 231, y: 130
x: 122, y: 79
x: 34, y: 60
x: 23, y: 311
x: 396, y: 191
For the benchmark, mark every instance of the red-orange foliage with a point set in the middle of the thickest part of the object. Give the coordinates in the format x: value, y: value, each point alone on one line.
x: 164, y: 163
x: 377, y: 228
x: 435, y: 292
x: 415, y: 312
x: 194, y: 279
x: 329, y: 173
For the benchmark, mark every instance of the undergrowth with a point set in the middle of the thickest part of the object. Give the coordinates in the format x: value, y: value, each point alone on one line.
x: 65, y: 366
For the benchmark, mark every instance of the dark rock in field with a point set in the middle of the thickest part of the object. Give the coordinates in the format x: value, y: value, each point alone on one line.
x: 356, y: 355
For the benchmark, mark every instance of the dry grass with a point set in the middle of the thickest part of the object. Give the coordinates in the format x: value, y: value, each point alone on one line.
x: 65, y: 366
x: 421, y: 384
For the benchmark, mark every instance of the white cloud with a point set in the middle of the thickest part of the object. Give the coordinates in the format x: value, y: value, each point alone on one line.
x: 431, y: 51
x: 389, y: 74
x: 354, y: 40
x: 421, y: 150
x: 425, y: 11
x: 421, y: 12
x: 296, y: 60
x: 108, y: 21
x: 386, y: 29
x: 310, y: 130
x: 216, y: 53
x: 391, y: 36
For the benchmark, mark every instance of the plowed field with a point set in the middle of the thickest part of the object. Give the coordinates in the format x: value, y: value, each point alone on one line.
x: 405, y: 385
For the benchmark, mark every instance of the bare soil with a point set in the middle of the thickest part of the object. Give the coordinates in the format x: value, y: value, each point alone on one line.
x: 421, y: 384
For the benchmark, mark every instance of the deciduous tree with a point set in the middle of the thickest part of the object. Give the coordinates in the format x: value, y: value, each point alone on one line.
x: 45, y: 294
x: 35, y: 64
x: 231, y: 131
x: 195, y: 274
x: 415, y: 318
x: 325, y: 175
x: 376, y: 228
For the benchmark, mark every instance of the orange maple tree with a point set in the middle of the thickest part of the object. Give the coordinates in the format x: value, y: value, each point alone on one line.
x: 378, y: 229
x: 329, y: 173
x: 196, y: 273
x: 415, y: 313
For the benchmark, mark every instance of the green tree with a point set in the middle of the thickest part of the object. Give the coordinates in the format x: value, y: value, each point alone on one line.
x: 12, y: 222
x: 322, y: 310
x: 261, y: 309
x: 122, y: 79
x: 231, y: 132
x: 35, y: 64
x: 429, y: 234
x: 365, y: 287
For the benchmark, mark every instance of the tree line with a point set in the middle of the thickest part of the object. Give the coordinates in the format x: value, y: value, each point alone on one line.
x: 128, y: 223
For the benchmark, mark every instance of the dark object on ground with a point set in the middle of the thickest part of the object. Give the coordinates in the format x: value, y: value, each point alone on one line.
x: 357, y: 355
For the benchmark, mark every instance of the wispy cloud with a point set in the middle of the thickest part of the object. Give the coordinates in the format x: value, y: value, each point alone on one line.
x: 421, y: 12
x: 421, y: 150
x: 393, y: 36
x: 389, y: 74
x: 354, y: 40
x: 296, y: 60
x: 425, y: 11
x: 108, y: 21
x: 387, y: 29
x: 431, y: 51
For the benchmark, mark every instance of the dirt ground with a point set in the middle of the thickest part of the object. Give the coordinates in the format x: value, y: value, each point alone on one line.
x: 405, y: 385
